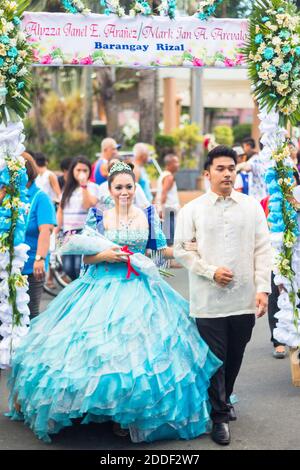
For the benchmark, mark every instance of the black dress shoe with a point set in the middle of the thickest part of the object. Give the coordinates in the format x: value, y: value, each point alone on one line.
x: 231, y: 413
x: 221, y: 433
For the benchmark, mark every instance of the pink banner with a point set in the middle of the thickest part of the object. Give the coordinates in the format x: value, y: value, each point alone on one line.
x: 99, y: 40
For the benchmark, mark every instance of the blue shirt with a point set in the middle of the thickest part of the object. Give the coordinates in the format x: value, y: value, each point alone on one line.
x: 41, y: 212
x: 97, y: 176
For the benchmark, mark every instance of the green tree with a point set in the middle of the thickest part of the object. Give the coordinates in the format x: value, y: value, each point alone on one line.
x: 234, y: 9
x: 186, y: 139
x: 228, y: 9
x: 223, y: 135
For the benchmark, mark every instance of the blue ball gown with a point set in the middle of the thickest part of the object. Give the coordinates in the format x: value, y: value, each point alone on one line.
x: 111, y: 348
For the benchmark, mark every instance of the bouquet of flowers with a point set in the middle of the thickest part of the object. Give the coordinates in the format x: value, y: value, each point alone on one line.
x: 91, y: 242
x: 272, y: 53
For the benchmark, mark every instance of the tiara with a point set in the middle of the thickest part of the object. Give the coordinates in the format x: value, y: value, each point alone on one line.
x: 119, y: 167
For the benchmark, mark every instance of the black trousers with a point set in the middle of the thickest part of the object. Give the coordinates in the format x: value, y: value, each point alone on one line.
x: 227, y: 338
x: 35, y: 294
x: 168, y: 225
x: 272, y: 309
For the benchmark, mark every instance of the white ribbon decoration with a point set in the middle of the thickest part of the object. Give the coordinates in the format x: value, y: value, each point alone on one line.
x: 286, y: 331
x: 11, y: 143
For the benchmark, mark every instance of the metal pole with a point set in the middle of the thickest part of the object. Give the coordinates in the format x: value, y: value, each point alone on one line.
x: 197, y: 108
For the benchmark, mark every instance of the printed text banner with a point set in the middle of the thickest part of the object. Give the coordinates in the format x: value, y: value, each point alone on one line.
x: 100, y: 40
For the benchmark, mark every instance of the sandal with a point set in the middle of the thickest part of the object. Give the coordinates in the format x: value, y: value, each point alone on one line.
x: 51, y: 285
x: 279, y: 352
x: 17, y: 405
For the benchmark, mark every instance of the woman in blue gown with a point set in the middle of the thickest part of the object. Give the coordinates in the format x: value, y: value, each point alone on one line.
x: 110, y: 348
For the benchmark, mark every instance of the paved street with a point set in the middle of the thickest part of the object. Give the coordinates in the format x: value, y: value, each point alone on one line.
x: 268, y: 408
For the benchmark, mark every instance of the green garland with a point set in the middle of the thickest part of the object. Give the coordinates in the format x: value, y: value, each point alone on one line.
x: 273, y: 54
x: 15, y: 60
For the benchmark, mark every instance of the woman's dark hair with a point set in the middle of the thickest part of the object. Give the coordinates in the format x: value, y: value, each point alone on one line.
x: 31, y: 168
x: 122, y: 172
x: 72, y: 183
x: 40, y: 159
x: 220, y: 151
x: 298, y: 157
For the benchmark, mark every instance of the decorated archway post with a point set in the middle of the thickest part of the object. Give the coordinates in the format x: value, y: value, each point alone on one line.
x: 271, y: 47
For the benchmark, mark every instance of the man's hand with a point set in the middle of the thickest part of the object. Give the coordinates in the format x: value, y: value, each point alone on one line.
x: 190, y: 246
x: 39, y: 270
x: 223, y: 276
x: 261, y: 304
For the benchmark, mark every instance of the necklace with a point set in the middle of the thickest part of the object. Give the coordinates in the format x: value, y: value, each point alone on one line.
x: 125, y: 225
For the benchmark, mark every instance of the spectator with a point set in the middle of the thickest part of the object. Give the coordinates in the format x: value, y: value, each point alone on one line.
x: 242, y: 178
x: 46, y: 179
x: 167, y: 197
x: 78, y: 197
x: 257, y: 166
x: 109, y: 150
x: 40, y: 223
x: 64, y: 166
x: 141, y: 157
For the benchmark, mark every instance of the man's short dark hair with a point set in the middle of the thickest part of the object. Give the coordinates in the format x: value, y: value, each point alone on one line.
x: 206, y: 165
x: 40, y: 159
x: 249, y: 141
x: 66, y: 163
x: 168, y: 158
x: 217, y: 152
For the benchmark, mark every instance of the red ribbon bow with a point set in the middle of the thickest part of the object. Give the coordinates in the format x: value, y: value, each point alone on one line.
x: 130, y: 269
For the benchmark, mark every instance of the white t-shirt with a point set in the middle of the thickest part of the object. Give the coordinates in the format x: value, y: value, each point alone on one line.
x: 74, y: 214
x: 257, y: 185
x: 107, y: 202
x: 172, y: 200
x: 43, y: 182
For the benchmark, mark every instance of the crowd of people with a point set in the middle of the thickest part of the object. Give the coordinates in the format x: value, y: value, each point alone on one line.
x: 131, y: 350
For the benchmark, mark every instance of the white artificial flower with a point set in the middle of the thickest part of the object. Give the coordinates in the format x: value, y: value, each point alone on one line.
x: 99, y: 61
x: 10, y: 27
x: 263, y: 75
x: 295, y: 39
x: 19, y: 332
x: 4, y: 289
x: 261, y: 48
x: 296, y: 84
x: 57, y: 61
x: 2, y: 163
x: 277, y: 62
x: 6, y: 329
x: 276, y: 41
x: 265, y: 65
x: 5, y: 349
x: 23, y: 71
x: 21, y: 36
x: 283, y: 77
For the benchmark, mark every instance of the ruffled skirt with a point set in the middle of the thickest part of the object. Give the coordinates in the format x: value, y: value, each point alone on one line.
x: 108, y: 348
